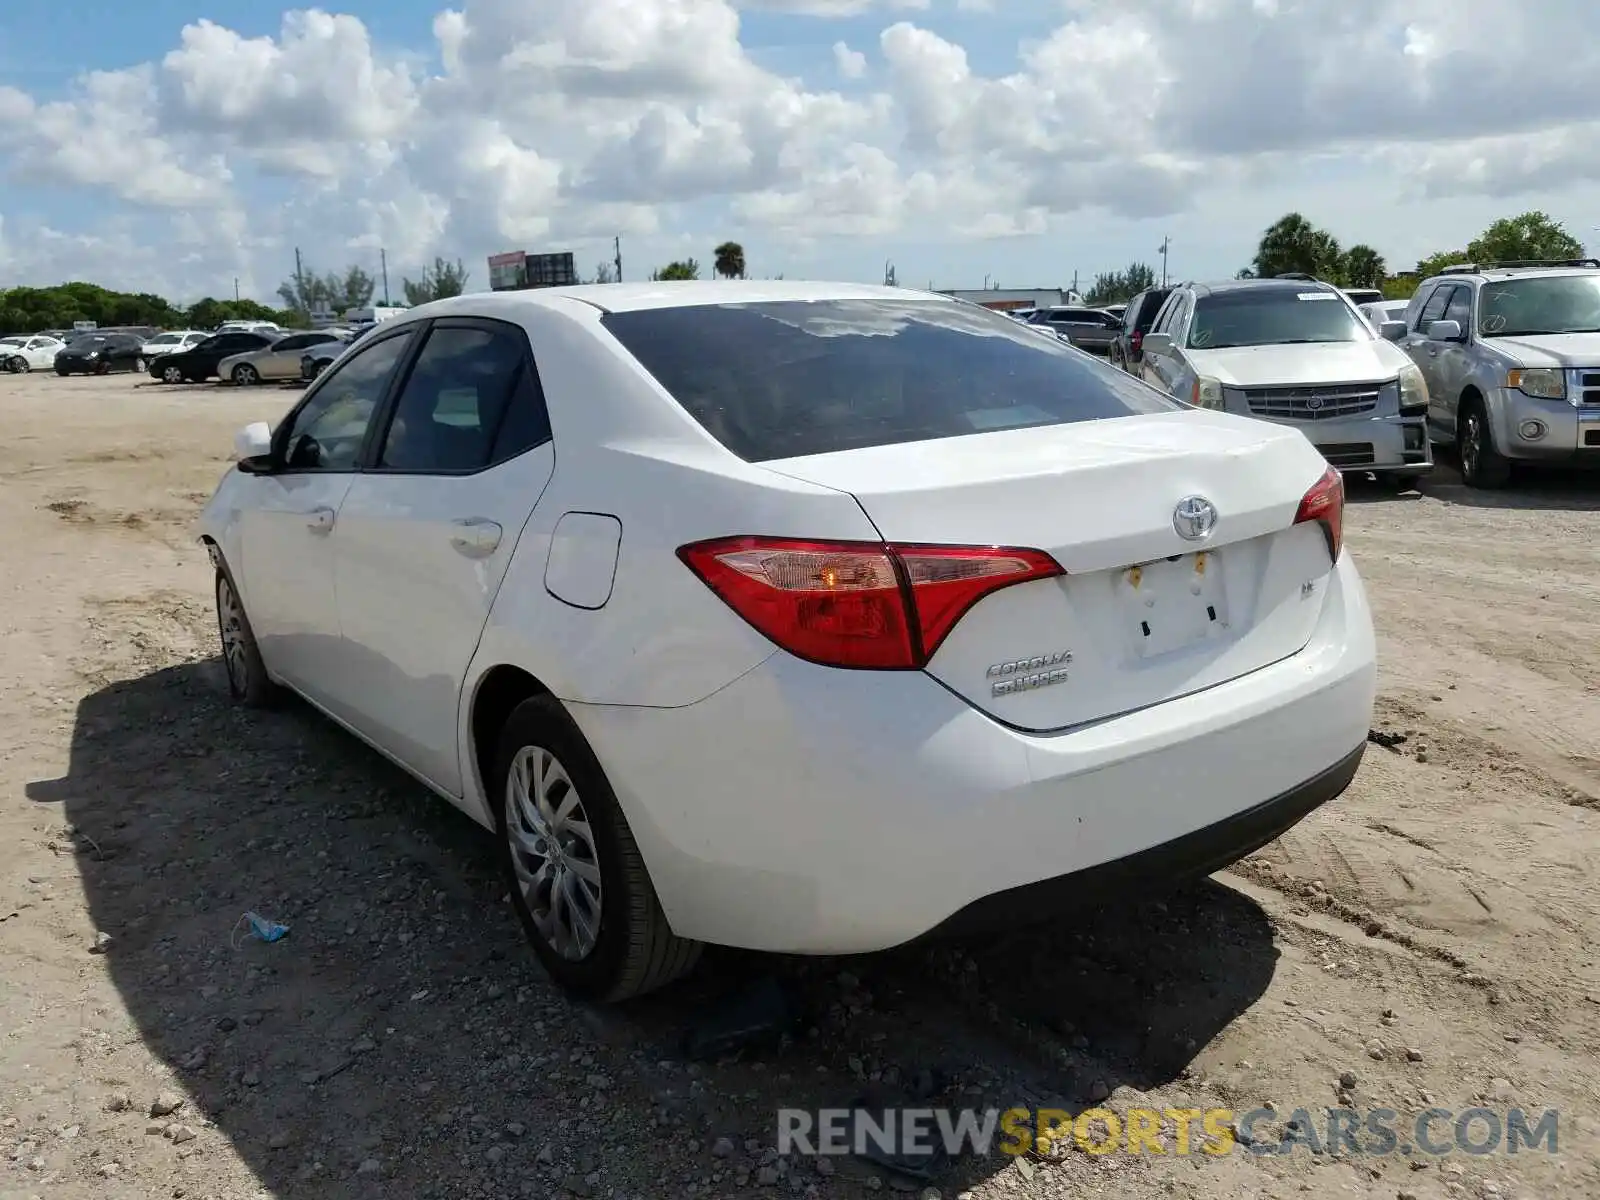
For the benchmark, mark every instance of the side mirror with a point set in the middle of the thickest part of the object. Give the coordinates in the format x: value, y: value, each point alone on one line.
x: 253, y: 441
x: 1157, y: 343
x: 1444, y: 331
x: 1392, y: 331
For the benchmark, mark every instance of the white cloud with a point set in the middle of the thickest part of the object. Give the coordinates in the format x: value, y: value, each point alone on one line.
x: 852, y: 64
x: 568, y: 121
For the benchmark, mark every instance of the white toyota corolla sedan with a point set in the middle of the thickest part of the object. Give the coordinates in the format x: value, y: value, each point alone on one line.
x: 796, y: 616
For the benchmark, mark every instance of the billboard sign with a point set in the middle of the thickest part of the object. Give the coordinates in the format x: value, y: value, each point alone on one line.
x: 507, y: 271
x: 519, y: 269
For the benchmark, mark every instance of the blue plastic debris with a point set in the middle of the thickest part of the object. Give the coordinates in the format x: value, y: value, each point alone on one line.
x: 267, y: 931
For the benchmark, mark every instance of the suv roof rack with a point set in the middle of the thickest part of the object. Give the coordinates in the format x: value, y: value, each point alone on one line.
x: 1297, y: 275
x: 1520, y: 264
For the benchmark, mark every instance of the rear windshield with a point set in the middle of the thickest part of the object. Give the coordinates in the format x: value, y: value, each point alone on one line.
x: 1277, y: 316
x: 793, y: 378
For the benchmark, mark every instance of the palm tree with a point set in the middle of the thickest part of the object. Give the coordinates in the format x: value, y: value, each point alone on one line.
x: 729, y: 262
x: 1293, y: 243
x: 1364, y: 267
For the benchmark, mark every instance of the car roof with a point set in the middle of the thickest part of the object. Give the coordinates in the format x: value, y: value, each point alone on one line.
x: 638, y: 297
x: 1500, y: 275
x: 1223, y: 287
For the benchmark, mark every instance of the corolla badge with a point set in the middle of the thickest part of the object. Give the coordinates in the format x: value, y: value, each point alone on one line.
x: 1194, y: 518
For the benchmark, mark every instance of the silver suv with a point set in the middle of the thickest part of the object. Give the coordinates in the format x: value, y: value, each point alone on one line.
x: 1296, y: 352
x: 1511, y: 353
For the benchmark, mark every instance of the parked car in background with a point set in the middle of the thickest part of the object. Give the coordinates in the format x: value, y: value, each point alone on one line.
x: 1379, y: 311
x: 1116, y: 310
x: 317, y: 359
x: 1511, y: 355
x: 173, y: 341
x: 1296, y: 353
x: 276, y: 362
x: 100, y: 354
x: 249, y: 327
x: 1363, y: 296
x: 29, y: 352
x: 1127, y: 347
x: 1016, y: 591
x: 200, y: 361
x: 1089, y: 329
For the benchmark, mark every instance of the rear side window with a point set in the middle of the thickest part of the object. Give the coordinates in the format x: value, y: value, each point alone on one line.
x: 794, y: 378
x: 450, y: 407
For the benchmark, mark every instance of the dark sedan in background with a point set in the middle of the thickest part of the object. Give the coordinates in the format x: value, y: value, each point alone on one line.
x: 199, y: 362
x: 100, y: 354
x: 1089, y: 329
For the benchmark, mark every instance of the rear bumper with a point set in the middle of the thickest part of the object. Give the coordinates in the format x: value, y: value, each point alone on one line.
x: 809, y: 810
x: 1184, y: 858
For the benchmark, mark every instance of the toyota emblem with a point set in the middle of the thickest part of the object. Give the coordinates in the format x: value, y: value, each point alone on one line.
x: 1194, y: 518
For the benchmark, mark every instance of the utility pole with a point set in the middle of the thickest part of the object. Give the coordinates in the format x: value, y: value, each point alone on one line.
x: 616, y: 243
x: 236, y: 289
x: 383, y: 258
x: 1166, y: 244
x: 1075, y: 281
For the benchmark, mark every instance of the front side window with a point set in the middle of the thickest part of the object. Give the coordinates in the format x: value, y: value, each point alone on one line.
x: 792, y: 378
x: 1433, y: 308
x: 327, y: 432
x: 1459, y: 309
x: 1274, y: 316
x: 1553, y: 304
x: 450, y: 407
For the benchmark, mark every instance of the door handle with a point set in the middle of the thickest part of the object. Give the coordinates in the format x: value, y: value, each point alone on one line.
x: 320, y: 520
x: 476, y: 537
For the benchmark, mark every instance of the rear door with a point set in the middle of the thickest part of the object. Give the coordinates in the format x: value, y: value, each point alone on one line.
x: 426, y: 531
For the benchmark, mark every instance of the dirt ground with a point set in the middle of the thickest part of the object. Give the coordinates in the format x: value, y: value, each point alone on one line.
x: 1432, y: 934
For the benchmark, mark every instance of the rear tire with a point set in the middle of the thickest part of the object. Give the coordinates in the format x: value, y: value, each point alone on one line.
x: 244, y: 375
x: 140, y: 366
x: 1482, y: 464
x: 545, y: 768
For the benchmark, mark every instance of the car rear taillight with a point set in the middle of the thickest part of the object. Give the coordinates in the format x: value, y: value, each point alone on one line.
x: 1136, y: 340
x: 1324, y: 503
x: 858, y: 604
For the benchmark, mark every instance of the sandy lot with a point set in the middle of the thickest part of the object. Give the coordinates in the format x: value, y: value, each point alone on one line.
x: 1432, y: 934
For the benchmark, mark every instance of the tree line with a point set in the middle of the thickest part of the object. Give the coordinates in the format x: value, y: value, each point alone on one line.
x: 727, y: 263
x: 1292, y: 243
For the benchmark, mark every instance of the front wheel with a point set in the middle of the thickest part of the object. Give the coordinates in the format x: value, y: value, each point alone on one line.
x: 1482, y: 464
x: 171, y: 375
x: 63, y: 372
x: 577, y: 879
x: 17, y: 365
x: 247, y: 674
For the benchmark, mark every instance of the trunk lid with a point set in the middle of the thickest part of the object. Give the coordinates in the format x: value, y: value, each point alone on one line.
x: 1143, y: 615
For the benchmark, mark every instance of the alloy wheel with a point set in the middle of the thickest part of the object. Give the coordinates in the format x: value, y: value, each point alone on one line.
x: 171, y: 375
x: 553, y: 853
x: 1471, y: 445
x: 230, y: 625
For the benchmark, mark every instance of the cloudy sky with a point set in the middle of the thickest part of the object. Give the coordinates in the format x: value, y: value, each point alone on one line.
x: 175, y: 145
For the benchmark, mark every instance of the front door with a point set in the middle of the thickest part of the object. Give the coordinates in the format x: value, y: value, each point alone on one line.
x: 427, y: 531
x: 289, y: 530
x: 1424, y: 351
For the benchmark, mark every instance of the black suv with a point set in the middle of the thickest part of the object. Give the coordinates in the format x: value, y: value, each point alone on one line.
x: 1127, y: 348
x: 199, y: 362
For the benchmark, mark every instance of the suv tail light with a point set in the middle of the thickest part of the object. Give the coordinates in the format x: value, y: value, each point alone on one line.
x: 1136, y: 340
x: 858, y: 604
x: 1324, y: 503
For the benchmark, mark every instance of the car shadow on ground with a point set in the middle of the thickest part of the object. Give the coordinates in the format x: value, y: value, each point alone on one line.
x: 1549, y: 488
x: 401, y: 1040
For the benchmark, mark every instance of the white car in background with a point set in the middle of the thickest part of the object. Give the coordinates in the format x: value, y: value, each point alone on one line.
x: 1379, y: 311
x: 173, y: 341
x: 29, y: 352
x: 800, y: 617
